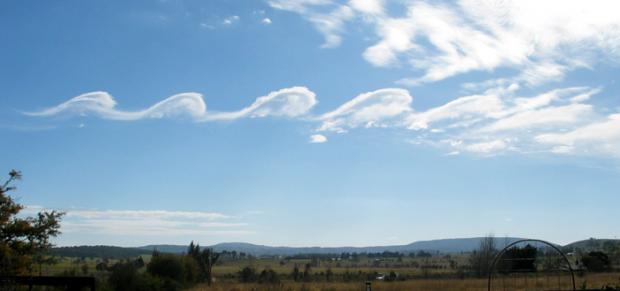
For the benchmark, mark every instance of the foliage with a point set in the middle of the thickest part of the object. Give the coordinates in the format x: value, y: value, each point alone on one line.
x: 205, y: 260
x: 167, y: 266
x: 23, y: 239
x: 518, y: 259
x: 481, y: 259
x: 125, y: 277
x: 596, y: 261
x: 268, y: 276
x: 247, y: 275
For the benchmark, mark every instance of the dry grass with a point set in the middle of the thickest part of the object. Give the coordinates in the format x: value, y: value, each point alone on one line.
x: 588, y: 281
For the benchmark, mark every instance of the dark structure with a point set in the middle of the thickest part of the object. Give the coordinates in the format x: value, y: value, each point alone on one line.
x: 533, y: 264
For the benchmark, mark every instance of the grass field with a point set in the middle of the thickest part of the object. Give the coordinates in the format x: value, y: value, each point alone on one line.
x: 588, y: 281
x: 413, y: 275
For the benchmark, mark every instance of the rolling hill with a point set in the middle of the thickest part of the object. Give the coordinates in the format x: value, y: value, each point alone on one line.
x: 455, y: 245
x: 441, y: 245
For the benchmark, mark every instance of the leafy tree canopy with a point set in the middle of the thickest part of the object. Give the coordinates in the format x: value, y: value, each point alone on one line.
x: 23, y: 239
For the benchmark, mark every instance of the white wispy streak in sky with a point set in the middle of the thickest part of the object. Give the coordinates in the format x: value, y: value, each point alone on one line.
x: 148, y: 222
x: 541, y: 39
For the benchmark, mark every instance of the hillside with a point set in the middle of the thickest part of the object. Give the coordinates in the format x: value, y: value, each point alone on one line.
x: 593, y: 244
x: 441, y: 245
x: 111, y: 252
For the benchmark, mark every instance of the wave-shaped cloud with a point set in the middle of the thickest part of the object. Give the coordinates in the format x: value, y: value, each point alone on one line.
x: 288, y: 102
x: 103, y: 105
x: 378, y: 108
x: 495, y: 121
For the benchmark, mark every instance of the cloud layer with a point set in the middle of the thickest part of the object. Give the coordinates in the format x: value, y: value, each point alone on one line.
x: 534, y: 42
x: 149, y: 222
x: 541, y: 39
x: 498, y: 120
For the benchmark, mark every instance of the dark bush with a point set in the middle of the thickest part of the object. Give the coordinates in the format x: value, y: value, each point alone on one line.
x: 269, y: 276
x: 167, y: 266
x: 596, y: 262
x: 125, y: 276
x: 247, y: 275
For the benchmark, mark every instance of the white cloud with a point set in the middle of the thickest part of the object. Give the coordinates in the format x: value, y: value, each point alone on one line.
x: 328, y: 17
x: 464, y: 109
x: 601, y: 137
x: 230, y: 20
x: 551, y: 116
x: 266, y: 21
x: 541, y: 39
x: 318, y: 138
x: 487, y: 147
x: 148, y: 222
x: 373, y: 7
x: 288, y: 102
x: 103, y: 105
x: 496, y: 120
x: 373, y: 109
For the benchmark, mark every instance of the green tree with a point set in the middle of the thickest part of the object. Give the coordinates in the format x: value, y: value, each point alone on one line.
x: 205, y: 259
x: 22, y: 239
x: 167, y: 266
x: 247, y: 275
x: 268, y: 276
x: 329, y: 274
x: 125, y: 277
x: 596, y: 261
x: 296, y: 274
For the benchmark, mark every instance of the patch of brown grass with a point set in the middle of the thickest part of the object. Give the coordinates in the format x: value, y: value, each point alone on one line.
x: 589, y: 281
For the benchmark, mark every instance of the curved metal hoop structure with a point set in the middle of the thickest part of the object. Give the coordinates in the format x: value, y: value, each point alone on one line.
x: 506, y: 248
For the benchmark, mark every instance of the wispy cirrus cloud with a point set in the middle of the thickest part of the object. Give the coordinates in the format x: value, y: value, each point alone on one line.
x: 542, y: 40
x: 496, y: 121
x: 328, y: 17
x: 596, y: 138
x: 149, y: 222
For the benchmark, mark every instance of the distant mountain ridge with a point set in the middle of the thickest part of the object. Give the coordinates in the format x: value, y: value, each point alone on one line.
x: 110, y: 252
x: 455, y: 245
x: 593, y: 244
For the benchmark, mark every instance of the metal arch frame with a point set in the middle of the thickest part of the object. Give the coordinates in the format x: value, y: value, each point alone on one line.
x: 501, y: 253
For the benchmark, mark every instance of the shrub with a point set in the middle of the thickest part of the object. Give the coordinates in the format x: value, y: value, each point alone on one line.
x: 247, y: 275
x: 125, y: 276
x: 167, y: 266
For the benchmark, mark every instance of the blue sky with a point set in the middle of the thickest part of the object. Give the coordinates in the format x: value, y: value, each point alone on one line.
x: 313, y: 122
